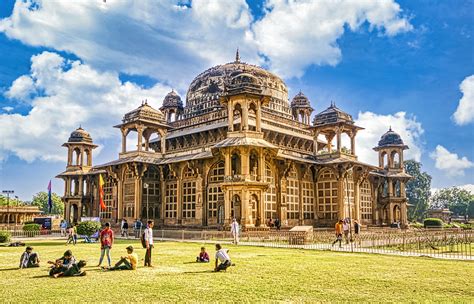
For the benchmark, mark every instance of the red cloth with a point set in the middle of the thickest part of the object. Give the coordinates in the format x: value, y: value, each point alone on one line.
x: 203, y: 256
x: 106, y: 237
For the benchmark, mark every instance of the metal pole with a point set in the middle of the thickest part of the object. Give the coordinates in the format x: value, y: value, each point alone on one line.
x: 145, y: 185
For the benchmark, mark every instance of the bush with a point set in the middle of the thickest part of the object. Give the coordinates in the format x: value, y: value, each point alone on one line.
x: 5, y: 236
x: 465, y: 226
x: 416, y: 225
x: 31, y: 227
x: 433, y: 222
x: 88, y: 227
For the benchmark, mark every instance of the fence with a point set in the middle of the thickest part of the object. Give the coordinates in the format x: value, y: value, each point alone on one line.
x: 449, y: 244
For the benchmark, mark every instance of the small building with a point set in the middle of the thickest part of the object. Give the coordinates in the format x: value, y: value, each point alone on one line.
x: 17, y: 215
x: 443, y: 214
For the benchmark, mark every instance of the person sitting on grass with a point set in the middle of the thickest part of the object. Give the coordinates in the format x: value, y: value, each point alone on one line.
x: 222, y: 256
x: 128, y: 262
x: 62, y: 264
x: 203, y: 256
x: 29, y: 258
x: 73, y: 271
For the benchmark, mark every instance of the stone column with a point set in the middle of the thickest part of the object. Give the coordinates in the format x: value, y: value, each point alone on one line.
x: 138, y: 197
x: 69, y: 156
x: 261, y: 165
x: 283, y: 206
x: 81, y: 185
x: 258, y: 118
x: 341, y: 197
x: 124, y: 140
x: 230, y: 116
x: 82, y: 156
x: 140, y: 135
x: 244, y: 207
x: 120, y: 198
x: 390, y: 213
x: 179, y: 195
x: 245, y: 117
x: 353, y: 143
x: 315, y: 143
x: 403, y: 215
x: 245, y: 163
x: 357, y: 201
x: 338, y: 138
x: 199, y: 199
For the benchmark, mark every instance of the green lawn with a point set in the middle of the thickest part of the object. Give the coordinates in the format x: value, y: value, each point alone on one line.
x: 260, y: 275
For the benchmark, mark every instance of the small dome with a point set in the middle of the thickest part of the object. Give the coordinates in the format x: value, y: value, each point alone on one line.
x: 332, y: 115
x: 144, y: 112
x: 172, y: 100
x: 301, y: 101
x: 390, y: 138
x: 80, y: 135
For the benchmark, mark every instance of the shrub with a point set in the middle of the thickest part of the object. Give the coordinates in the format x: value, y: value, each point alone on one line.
x: 465, y: 226
x: 88, y: 227
x: 31, y: 227
x: 5, y: 236
x: 416, y: 225
x: 433, y: 222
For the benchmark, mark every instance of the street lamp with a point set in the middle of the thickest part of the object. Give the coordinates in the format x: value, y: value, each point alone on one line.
x: 145, y: 185
x: 8, y: 192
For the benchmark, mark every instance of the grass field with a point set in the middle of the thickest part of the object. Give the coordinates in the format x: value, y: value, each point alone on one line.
x: 260, y: 275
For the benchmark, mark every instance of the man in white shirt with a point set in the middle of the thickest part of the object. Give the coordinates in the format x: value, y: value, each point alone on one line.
x: 234, y: 229
x: 346, y: 228
x: 222, y: 256
x: 149, y: 243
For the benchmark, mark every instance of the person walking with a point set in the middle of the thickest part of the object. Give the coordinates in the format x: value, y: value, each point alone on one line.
x: 121, y: 226
x: 356, y: 231
x: 338, y: 228
x: 234, y: 229
x: 148, y: 236
x: 106, y: 237
x: 346, y: 228
x: 63, y: 227
x: 125, y: 228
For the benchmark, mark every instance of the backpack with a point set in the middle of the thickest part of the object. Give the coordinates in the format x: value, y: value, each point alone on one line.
x: 142, y: 239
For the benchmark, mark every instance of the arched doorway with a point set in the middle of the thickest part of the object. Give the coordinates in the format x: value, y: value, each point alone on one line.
x: 74, y: 213
x: 236, y: 206
x: 255, y: 210
x: 396, y: 214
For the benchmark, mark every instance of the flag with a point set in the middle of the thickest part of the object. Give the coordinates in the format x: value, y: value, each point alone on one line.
x: 101, y: 192
x: 50, y: 201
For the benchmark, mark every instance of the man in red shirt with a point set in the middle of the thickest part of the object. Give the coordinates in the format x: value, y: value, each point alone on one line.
x: 106, y: 240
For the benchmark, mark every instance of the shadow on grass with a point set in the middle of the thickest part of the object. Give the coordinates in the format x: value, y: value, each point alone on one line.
x: 198, y: 272
x: 40, y: 276
x: 8, y: 269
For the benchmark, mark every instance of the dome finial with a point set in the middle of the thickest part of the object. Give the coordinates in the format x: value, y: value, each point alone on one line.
x: 80, y: 126
x: 390, y: 129
x: 237, y: 56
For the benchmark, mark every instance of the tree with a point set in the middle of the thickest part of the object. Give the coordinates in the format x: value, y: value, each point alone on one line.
x: 41, y: 200
x: 13, y: 201
x: 417, y: 190
x: 457, y: 200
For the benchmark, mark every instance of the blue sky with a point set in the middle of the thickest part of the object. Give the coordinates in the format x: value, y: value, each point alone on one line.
x: 408, y: 64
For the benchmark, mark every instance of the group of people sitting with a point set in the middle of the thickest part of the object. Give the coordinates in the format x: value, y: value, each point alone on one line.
x: 222, y: 258
x: 68, y: 265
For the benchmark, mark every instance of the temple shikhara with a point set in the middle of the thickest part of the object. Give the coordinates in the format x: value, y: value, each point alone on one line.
x: 238, y: 148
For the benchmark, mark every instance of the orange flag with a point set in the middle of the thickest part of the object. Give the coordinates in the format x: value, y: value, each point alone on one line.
x: 101, y: 192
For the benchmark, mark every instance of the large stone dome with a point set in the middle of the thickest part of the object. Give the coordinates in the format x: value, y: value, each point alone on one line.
x: 80, y: 135
x: 390, y: 138
x: 204, y: 92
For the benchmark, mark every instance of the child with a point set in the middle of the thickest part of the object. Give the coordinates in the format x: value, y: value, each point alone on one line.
x: 128, y: 262
x: 62, y: 264
x: 203, y: 256
x: 74, y: 270
x: 29, y: 258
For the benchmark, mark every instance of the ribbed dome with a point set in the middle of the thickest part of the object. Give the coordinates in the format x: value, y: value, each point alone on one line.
x: 204, y: 92
x: 80, y: 135
x: 144, y: 112
x: 390, y: 138
x: 301, y: 101
x: 172, y: 100
x: 332, y: 115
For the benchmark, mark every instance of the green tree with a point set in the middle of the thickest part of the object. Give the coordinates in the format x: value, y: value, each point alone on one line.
x: 457, y: 200
x: 417, y: 190
x: 41, y: 200
x: 12, y: 202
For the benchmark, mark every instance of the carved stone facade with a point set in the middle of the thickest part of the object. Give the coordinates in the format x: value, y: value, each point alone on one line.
x: 239, y: 149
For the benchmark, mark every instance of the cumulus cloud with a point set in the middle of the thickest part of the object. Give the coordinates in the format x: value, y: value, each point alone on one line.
x: 21, y: 89
x: 295, y: 34
x: 465, y: 111
x: 450, y: 163
x: 172, y: 42
x: 376, y: 125
x: 72, y: 93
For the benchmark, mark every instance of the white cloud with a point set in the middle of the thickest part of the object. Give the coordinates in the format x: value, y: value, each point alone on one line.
x: 8, y: 109
x: 465, y: 111
x: 172, y: 42
x: 21, y: 89
x: 376, y: 125
x: 73, y: 93
x: 450, y: 163
x: 296, y: 34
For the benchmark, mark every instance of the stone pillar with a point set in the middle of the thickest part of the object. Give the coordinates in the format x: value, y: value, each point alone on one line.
x: 341, y: 197
x: 261, y: 165
x: 124, y: 140
x: 315, y: 143
x: 390, y: 213
x: 120, y: 198
x: 199, y: 199
x: 82, y: 156
x: 179, y: 195
x: 69, y: 156
x: 403, y: 215
x: 163, y: 143
x: 245, y: 117
x: 140, y: 135
x: 300, y: 199
x: 81, y: 185
x: 283, y: 206
x: 138, y: 197
x: 353, y: 144
x: 357, y: 214
x: 245, y: 163
x: 227, y: 163
x: 230, y: 116
x: 338, y: 138
x: 258, y: 119
x: 244, y: 208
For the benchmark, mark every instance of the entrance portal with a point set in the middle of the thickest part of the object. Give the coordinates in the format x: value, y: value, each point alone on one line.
x: 236, y: 206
